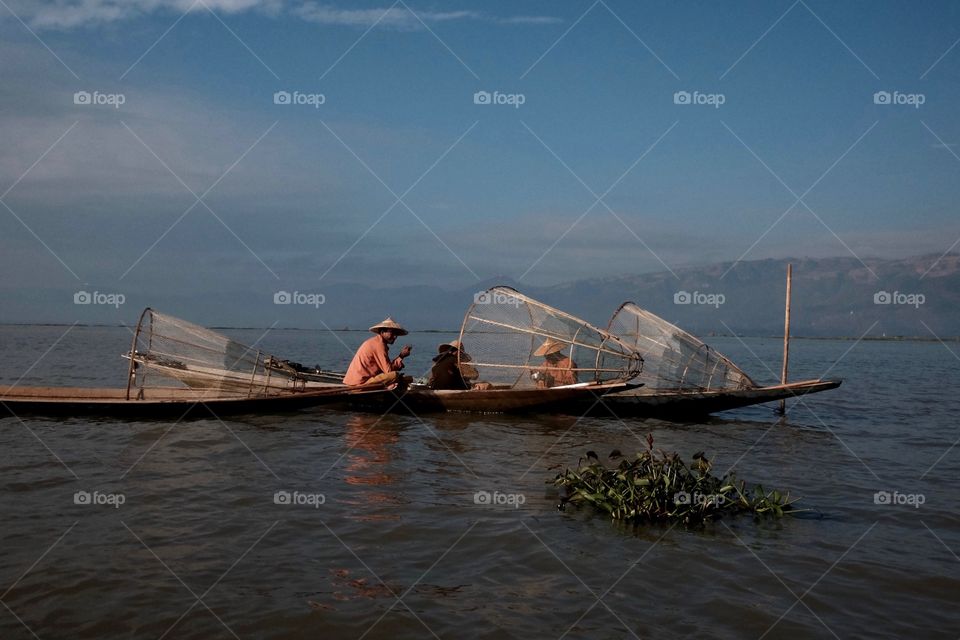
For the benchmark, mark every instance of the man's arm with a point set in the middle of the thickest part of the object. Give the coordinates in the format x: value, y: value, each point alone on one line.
x: 398, y: 361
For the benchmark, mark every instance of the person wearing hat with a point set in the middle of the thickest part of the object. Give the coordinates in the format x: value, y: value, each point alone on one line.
x: 557, y: 368
x: 372, y: 363
x: 446, y: 372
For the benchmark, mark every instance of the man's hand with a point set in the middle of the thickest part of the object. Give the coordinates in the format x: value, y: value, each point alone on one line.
x: 405, y: 352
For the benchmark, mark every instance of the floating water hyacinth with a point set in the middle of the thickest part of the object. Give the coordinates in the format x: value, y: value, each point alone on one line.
x: 660, y: 487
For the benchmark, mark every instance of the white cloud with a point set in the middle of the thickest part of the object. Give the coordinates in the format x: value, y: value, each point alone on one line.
x: 69, y: 14
x: 393, y: 17
x: 530, y: 20
x: 401, y: 18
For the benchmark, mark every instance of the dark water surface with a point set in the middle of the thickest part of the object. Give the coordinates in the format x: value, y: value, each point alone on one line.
x: 400, y: 549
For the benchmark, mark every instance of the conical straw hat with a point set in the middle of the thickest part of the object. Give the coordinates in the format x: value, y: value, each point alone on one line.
x: 392, y: 324
x: 446, y: 346
x: 549, y: 346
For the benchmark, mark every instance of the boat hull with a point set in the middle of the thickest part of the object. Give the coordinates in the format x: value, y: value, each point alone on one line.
x: 422, y: 400
x: 667, y: 404
x: 165, y: 403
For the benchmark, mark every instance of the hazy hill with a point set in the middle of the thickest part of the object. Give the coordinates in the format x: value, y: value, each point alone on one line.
x: 831, y: 297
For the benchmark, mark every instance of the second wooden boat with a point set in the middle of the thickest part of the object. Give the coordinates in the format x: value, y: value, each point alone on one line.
x: 685, y: 404
x: 171, y: 402
x: 421, y: 399
x: 683, y: 377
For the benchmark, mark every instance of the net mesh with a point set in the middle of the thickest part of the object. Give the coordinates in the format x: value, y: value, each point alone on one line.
x: 674, y: 359
x: 512, y: 341
x: 169, y: 350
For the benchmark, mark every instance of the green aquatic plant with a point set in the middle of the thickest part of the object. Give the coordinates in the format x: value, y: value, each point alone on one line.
x: 657, y: 486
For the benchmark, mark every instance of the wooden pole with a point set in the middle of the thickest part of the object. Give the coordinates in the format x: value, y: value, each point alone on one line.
x: 132, y: 370
x: 786, y: 337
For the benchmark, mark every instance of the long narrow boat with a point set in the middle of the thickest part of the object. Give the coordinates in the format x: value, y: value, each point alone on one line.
x: 681, y: 404
x: 167, y: 402
x: 178, y: 369
x: 682, y: 377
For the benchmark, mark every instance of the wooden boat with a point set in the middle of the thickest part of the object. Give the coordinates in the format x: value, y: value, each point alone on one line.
x: 172, y: 402
x: 418, y: 399
x: 502, y: 340
x: 683, y: 377
x: 683, y: 404
x: 178, y: 369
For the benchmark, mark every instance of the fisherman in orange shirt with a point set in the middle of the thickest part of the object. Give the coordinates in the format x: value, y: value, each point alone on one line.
x: 372, y: 363
x: 557, y: 369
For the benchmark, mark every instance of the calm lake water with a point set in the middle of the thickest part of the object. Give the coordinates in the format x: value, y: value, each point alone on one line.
x: 399, y: 548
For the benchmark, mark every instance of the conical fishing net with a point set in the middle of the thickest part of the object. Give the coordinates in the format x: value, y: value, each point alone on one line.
x: 167, y: 349
x: 512, y: 341
x: 674, y: 359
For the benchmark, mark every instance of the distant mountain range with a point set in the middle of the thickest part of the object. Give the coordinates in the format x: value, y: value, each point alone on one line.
x: 831, y: 297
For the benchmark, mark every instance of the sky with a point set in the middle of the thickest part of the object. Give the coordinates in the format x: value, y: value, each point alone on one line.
x: 168, y: 150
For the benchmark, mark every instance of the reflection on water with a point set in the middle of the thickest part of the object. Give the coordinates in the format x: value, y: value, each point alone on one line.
x: 346, y: 586
x: 371, y: 443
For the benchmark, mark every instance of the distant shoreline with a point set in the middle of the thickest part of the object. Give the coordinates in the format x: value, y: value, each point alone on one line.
x: 431, y: 331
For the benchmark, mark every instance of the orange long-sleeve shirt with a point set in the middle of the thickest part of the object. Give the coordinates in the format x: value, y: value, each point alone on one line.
x: 371, y: 359
x: 560, y: 372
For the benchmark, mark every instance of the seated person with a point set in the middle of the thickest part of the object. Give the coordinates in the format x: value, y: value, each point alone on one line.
x: 446, y: 372
x: 372, y: 363
x: 557, y: 369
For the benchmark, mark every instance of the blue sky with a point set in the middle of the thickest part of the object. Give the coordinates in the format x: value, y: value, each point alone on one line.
x: 298, y: 196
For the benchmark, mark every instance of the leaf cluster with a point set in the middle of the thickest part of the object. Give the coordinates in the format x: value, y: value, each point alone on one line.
x: 657, y: 486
